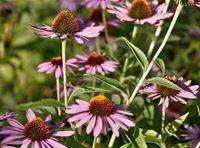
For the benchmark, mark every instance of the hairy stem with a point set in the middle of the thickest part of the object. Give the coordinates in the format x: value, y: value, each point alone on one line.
x: 64, y: 71
x: 176, y: 15
x: 58, y: 94
x: 157, y: 32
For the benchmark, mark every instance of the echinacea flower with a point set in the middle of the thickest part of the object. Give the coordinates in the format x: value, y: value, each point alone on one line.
x: 65, y: 25
x: 56, y: 65
x: 36, y: 132
x: 95, y: 62
x: 100, y: 113
x: 140, y: 12
x: 71, y: 5
x: 192, y: 135
x: 169, y: 94
x: 98, y: 3
x: 7, y: 115
x: 6, y: 6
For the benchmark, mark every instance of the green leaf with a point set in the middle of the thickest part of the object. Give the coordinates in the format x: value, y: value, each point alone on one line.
x: 152, y: 136
x: 84, y: 90
x: 43, y: 102
x: 128, y: 145
x: 161, y: 64
x: 140, y: 56
x: 164, y: 82
x: 109, y: 81
x: 173, y: 126
x: 138, y: 139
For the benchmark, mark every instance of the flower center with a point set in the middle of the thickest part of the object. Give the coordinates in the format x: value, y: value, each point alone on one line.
x: 140, y: 9
x: 95, y: 59
x: 36, y: 130
x: 65, y: 23
x: 56, y: 60
x: 101, y: 106
x: 166, y: 91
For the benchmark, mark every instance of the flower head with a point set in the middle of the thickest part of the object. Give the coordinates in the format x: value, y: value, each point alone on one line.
x: 100, y: 113
x: 56, y: 65
x: 95, y: 62
x: 98, y: 3
x: 170, y: 94
x: 192, y: 135
x: 36, y: 132
x: 140, y: 12
x: 66, y: 25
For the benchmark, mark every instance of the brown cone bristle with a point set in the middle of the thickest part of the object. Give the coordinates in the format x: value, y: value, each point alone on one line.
x: 65, y: 23
x: 140, y: 9
x: 36, y: 130
x: 101, y: 106
x: 95, y: 59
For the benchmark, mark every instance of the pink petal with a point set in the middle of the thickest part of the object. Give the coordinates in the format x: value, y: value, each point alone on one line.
x: 113, y: 127
x: 78, y: 117
x: 30, y: 115
x: 91, y: 124
x: 83, y: 121
x: 64, y: 133
x: 25, y: 143
x: 98, y: 128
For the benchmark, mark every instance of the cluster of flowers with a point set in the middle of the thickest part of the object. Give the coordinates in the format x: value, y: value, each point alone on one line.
x: 100, y: 112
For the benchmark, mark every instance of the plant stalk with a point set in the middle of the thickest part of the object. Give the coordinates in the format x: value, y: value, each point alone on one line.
x: 58, y: 94
x: 176, y: 15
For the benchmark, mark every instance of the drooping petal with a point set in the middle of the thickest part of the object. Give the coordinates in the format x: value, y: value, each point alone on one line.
x: 64, y: 133
x: 98, y: 127
x: 91, y: 124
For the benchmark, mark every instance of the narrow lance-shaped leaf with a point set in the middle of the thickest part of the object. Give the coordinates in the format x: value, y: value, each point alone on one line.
x: 164, y: 82
x: 161, y: 65
x: 140, y: 56
x: 138, y: 139
x: 109, y: 81
x: 173, y: 126
x: 152, y: 136
x: 127, y: 145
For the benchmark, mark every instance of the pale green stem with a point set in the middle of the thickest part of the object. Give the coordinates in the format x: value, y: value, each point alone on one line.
x: 58, y: 94
x: 94, y: 142
x: 98, y: 45
x: 93, y: 85
x: 106, y: 32
x: 64, y: 71
x: 112, y: 140
x: 125, y: 68
x: 163, y: 124
x: 176, y: 15
x: 157, y: 32
x: 135, y: 29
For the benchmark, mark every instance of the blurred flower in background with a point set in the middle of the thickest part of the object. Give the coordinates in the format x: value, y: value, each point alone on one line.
x: 6, y: 6
x: 64, y: 26
x: 100, y: 113
x: 99, y: 3
x: 140, y: 12
x: 95, y: 62
x: 169, y: 94
x: 71, y: 5
x: 56, y: 65
x: 192, y: 135
x: 35, y: 132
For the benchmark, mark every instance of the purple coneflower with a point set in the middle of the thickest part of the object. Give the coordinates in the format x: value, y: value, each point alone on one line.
x: 95, y: 62
x: 56, y: 65
x: 100, y: 113
x: 35, y: 132
x: 7, y: 115
x: 71, y: 5
x: 65, y: 25
x: 192, y: 135
x: 170, y: 94
x: 140, y: 12
x: 98, y: 3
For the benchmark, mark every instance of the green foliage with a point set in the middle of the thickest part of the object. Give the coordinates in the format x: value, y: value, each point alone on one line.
x: 173, y: 126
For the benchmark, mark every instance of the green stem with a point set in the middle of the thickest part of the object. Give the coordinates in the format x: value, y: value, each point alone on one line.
x: 98, y: 45
x: 112, y: 140
x: 135, y: 30
x: 58, y: 94
x: 176, y: 15
x: 94, y: 145
x: 157, y: 32
x: 106, y: 32
x: 93, y: 85
x: 163, y: 125
x: 125, y: 67
x: 163, y: 119
x: 64, y: 71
